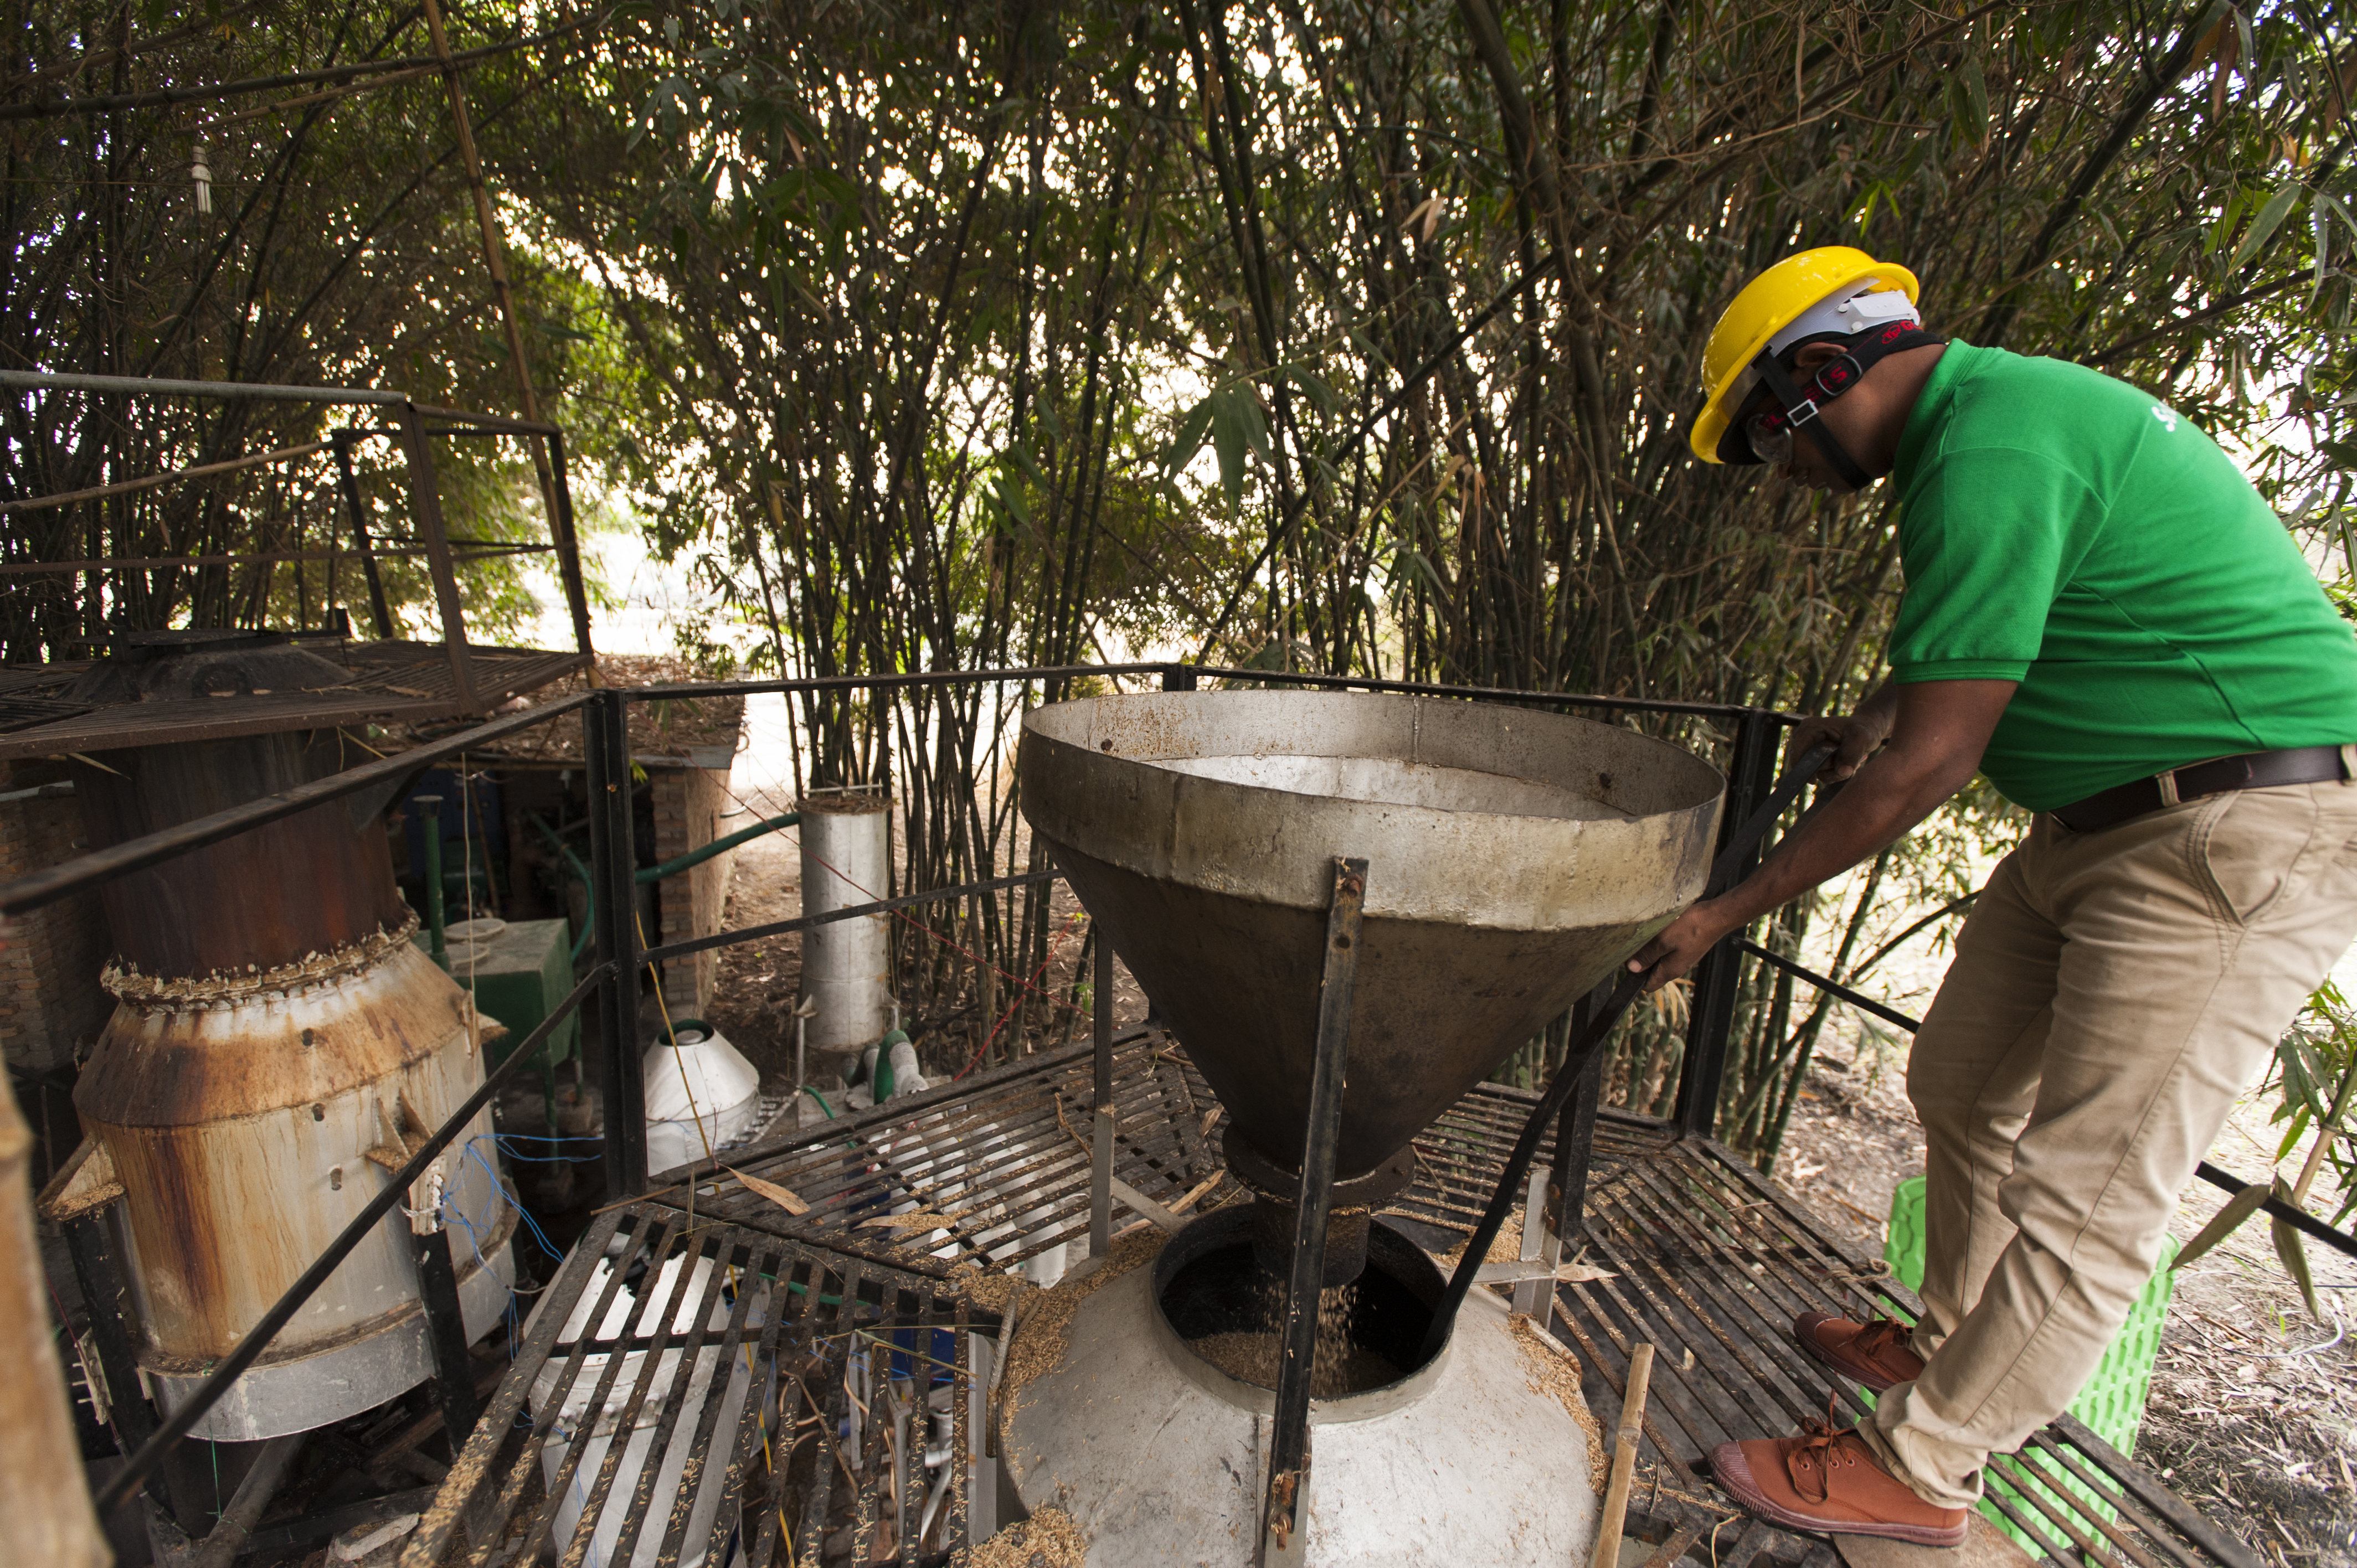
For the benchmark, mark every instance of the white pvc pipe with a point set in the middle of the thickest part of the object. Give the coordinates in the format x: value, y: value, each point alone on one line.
x: 846, y: 839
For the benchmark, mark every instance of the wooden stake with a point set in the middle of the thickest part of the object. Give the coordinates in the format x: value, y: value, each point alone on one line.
x: 1624, y: 1459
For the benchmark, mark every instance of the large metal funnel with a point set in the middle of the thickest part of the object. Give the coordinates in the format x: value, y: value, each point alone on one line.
x: 1514, y: 858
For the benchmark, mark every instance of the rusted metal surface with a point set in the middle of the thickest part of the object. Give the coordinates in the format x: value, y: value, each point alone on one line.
x: 307, y: 883
x: 1514, y: 858
x: 274, y: 1025
x: 240, y: 1125
x: 404, y: 682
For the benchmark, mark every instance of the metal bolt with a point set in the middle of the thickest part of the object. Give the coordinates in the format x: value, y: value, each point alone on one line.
x: 334, y: 1178
x: 318, y: 1114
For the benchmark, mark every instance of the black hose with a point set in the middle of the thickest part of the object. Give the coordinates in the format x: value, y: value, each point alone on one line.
x: 1591, y: 1039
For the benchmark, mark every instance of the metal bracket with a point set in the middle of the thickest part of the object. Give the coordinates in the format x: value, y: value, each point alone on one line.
x: 1282, y: 1525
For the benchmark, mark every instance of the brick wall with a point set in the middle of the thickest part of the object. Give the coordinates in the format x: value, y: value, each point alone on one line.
x: 50, y: 1002
x: 688, y: 804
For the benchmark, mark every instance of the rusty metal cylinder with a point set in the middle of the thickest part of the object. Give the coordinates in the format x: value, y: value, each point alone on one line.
x: 278, y: 1047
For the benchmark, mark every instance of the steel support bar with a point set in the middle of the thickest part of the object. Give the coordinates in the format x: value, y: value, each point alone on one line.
x: 667, y: 951
x: 380, y: 610
x: 613, y: 859
x: 426, y: 514
x: 1100, y: 1154
x: 85, y: 872
x: 446, y: 1332
x: 1281, y: 1535
x: 155, y: 386
x: 1716, y: 978
x: 1575, y: 1134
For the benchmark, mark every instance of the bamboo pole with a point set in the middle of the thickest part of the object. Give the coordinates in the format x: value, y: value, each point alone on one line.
x: 43, y: 1494
x: 1624, y: 1459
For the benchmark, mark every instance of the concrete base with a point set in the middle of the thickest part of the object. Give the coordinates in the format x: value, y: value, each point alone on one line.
x: 1161, y: 1458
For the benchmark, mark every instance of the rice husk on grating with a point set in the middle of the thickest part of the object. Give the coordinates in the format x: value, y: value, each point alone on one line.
x: 1039, y: 1331
x: 1507, y: 1247
x: 991, y: 1290
x: 1551, y: 1370
x: 1049, y: 1539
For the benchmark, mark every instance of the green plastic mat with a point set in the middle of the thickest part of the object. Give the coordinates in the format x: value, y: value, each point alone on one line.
x: 2112, y: 1402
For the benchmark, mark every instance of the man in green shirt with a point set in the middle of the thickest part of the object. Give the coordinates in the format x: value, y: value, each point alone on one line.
x: 2105, y: 617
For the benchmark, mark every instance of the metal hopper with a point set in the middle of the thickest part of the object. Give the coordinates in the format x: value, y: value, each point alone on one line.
x: 1514, y: 858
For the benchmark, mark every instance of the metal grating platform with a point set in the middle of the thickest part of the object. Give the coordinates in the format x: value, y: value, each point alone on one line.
x: 409, y: 681
x: 1711, y: 1262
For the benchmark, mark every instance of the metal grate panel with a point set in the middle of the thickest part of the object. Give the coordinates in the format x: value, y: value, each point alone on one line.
x: 1711, y: 1262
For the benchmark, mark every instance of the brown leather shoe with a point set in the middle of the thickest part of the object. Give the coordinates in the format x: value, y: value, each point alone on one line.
x: 1828, y: 1481
x: 1873, y: 1354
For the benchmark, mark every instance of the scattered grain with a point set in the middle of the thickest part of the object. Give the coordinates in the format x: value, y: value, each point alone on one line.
x: 1507, y: 1247
x: 1040, y: 1337
x: 991, y: 1290
x: 1049, y: 1539
x: 1551, y: 1370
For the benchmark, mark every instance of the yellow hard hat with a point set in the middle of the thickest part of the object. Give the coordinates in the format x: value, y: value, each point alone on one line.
x: 1769, y: 304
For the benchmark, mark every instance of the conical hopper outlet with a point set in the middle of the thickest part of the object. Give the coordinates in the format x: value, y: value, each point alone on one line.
x: 1514, y: 858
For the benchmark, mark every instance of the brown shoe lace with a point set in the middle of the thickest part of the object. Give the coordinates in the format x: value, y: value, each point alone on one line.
x: 1882, y: 1334
x: 1818, y: 1438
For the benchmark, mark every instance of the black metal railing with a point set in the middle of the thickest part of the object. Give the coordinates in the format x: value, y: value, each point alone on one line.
x: 620, y: 958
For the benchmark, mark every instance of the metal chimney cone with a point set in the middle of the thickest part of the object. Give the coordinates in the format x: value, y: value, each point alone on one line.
x: 1515, y: 859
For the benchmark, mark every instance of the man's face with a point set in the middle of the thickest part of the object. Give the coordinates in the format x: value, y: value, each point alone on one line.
x: 1803, y: 459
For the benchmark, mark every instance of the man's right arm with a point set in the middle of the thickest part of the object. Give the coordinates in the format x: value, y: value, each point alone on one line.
x: 1856, y: 737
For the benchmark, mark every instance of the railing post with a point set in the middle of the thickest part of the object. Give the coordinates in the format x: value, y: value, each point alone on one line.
x: 1711, y: 1015
x: 1100, y: 1175
x: 380, y: 610
x: 1177, y: 677
x: 613, y: 864
x: 1575, y: 1130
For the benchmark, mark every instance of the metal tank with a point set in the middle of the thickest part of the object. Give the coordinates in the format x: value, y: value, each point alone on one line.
x: 1513, y: 857
x: 846, y: 846
x: 278, y: 1045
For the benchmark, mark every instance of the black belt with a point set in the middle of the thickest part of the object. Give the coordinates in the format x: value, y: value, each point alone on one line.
x: 2253, y: 770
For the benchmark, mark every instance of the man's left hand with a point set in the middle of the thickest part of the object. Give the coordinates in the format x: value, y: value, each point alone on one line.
x: 1682, y: 943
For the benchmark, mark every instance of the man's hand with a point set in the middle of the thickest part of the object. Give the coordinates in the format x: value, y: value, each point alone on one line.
x: 1931, y: 751
x: 1855, y: 738
x: 1682, y: 943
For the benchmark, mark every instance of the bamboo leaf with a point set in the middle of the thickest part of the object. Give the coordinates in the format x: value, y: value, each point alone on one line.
x: 2293, y: 1255
x: 1228, y: 439
x: 2263, y: 226
x: 2224, y: 1223
x: 783, y: 1198
x: 1188, y: 439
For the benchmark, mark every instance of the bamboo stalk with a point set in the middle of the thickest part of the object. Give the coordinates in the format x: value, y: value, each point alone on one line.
x: 1625, y: 1443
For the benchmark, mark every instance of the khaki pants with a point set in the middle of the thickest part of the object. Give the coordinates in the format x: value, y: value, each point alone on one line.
x: 2112, y: 994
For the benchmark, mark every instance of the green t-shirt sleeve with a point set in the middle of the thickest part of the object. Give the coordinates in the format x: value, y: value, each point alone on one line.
x: 1987, y: 540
